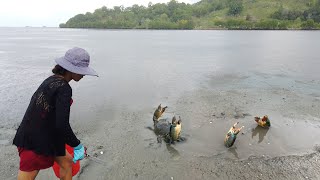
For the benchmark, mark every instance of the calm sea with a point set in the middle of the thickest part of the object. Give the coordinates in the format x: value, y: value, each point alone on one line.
x: 138, y: 68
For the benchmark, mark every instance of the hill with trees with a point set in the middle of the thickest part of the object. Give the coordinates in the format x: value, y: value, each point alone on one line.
x: 206, y: 14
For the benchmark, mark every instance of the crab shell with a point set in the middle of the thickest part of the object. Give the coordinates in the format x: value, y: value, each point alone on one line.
x: 230, y: 139
x: 162, y: 127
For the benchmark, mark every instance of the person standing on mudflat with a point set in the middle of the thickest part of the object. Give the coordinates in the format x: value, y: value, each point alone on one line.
x: 45, y: 128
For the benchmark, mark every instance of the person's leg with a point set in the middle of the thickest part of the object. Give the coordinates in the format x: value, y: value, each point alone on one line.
x: 23, y: 175
x: 65, y: 163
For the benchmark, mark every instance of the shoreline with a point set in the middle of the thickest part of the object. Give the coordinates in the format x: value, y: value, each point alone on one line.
x: 229, y: 29
x: 196, y: 29
x: 131, y: 150
x: 210, y: 79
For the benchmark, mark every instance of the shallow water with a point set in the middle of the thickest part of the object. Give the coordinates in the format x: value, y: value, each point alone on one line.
x: 209, y: 78
x: 144, y: 67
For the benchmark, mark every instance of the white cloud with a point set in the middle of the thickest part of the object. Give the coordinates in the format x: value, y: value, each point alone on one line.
x: 54, y: 12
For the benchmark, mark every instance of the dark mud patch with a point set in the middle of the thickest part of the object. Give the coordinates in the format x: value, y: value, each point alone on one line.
x: 285, y: 167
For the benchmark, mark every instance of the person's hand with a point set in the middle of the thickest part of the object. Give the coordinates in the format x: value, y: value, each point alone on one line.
x: 79, y: 153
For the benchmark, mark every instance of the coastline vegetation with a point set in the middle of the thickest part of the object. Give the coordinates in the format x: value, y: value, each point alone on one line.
x: 206, y: 14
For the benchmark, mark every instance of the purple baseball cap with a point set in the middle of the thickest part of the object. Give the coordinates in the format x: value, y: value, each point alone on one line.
x: 76, y: 60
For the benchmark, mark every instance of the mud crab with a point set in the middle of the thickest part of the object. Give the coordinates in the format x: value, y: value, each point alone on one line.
x: 232, y: 135
x: 263, y: 121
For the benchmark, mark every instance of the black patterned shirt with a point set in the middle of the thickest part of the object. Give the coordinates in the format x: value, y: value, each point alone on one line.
x: 45, y: 127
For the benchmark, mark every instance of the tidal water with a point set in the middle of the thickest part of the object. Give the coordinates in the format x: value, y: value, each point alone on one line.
x: 138, y: 69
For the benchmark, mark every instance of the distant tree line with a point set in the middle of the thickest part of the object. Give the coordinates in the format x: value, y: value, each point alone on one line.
x: 172, y: 15
x: 201, y: 15
x: 311, y: 16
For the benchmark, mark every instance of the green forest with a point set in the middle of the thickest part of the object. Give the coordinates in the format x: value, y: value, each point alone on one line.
x: 206, y: 14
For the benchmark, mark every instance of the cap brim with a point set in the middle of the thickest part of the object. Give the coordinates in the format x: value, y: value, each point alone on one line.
x: 78, y: 70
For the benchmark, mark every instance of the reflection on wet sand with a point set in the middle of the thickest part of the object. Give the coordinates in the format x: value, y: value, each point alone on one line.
x: 174, y: 153
x: 233, y: 151
x: 261, y: 131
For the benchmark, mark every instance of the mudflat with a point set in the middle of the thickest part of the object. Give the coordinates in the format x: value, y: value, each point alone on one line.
x: 287, y: 150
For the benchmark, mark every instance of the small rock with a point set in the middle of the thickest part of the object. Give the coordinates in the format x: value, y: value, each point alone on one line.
x: 171, y: 178
x: 210, y: 122
x: 101, y: 152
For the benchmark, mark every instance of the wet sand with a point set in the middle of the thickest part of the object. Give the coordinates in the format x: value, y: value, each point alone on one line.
x: 288, y: 150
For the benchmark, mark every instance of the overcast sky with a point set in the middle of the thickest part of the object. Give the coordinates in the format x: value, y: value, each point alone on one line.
x: 50, y: 13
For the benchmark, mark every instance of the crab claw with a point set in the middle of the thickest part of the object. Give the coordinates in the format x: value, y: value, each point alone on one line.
x: 174, y: 120
x: 179, y: 121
